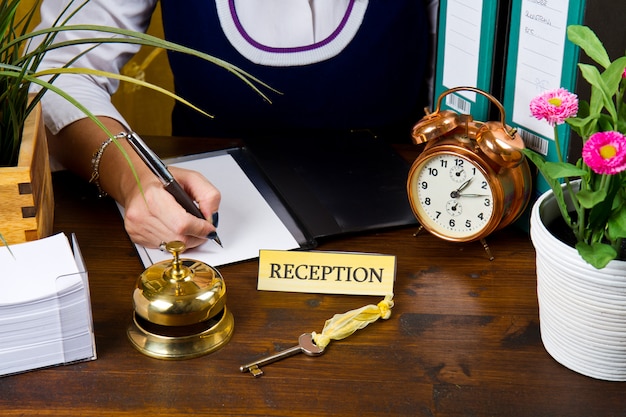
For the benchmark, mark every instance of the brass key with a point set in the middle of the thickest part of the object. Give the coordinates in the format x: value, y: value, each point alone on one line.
x: 305, y: 345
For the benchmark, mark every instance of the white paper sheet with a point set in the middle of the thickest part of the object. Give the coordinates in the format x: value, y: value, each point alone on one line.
x: 247, y: 223
x: 32, y: 274
x: 462, y: 45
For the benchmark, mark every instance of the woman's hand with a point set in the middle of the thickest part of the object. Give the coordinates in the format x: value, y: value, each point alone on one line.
x: 152, y: 217
x: 156, y: 217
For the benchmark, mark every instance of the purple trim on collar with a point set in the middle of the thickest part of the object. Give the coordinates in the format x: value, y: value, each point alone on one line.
x: 265, y: 48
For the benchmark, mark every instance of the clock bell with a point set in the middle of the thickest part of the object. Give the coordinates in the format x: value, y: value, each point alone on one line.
x: 180, y: 309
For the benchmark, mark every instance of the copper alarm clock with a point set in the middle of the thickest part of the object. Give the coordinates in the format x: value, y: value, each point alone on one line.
x: 471, y: 178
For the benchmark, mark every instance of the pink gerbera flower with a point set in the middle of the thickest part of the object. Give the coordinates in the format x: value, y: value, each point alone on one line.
x: 605, y: 152
x: 554, y: 106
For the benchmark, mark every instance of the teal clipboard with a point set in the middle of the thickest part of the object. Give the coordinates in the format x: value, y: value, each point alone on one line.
x: 540, y: 58
x: 466, y: 36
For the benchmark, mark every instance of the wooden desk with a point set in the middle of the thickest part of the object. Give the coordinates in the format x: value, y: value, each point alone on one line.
x: 463, y: 338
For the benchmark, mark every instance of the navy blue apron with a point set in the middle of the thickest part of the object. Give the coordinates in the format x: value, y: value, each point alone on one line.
x: 376, y: 83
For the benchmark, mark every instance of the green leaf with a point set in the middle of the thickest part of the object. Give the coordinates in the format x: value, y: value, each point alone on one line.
x: 584, y: 127
x: 598, y: 254
x: 138, y: 38
x: 587, y: 40
x: 589, y: 199
x: 121, y: 78
x: 580, y: 122
x: 594, y: 78
x: 621, y: 121
x: 562, y: 170
x: 6, y: 245
x: 617, y: 224
x: 613, y: 75
x: 605, y: 124
x: 600, y: 213
x: 585, y: 122
x: 596, y: 101
x: 554, y: 184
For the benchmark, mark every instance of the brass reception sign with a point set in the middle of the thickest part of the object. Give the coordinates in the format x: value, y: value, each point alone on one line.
x: 326, y: 272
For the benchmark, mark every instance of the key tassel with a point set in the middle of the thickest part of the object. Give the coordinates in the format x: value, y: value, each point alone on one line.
x: 343, y: 325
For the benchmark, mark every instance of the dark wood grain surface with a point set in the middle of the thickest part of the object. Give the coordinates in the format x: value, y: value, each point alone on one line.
x: 463, y: 338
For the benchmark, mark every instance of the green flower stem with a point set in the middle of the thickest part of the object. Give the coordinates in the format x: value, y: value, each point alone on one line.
x: 605, y: 184
x: 605, y: 179
x: 578, y: 226
x: 557, y: 143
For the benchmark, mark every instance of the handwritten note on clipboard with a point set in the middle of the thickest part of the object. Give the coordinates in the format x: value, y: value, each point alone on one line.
x: 540, y: 59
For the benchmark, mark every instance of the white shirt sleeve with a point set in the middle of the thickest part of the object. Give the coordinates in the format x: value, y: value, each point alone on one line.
x: 91, y: 91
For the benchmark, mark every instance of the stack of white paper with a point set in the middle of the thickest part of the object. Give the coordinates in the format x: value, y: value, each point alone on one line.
x: 45, y: 309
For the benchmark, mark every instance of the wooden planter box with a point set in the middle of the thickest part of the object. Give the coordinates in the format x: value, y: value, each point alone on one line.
x: 26, y: 198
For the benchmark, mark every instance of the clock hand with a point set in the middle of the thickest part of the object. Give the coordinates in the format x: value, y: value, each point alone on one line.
x: 456, y: 193
x: 472, y: 195
x: 464, y: 185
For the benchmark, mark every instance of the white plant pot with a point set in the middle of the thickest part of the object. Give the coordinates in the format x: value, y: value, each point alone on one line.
x: 582, y: 310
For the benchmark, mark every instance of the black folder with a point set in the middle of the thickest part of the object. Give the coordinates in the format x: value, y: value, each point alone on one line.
x: 330, y: 186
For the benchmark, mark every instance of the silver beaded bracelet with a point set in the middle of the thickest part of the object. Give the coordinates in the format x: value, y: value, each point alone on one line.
x: 95, y: 166
x: 95, y: 161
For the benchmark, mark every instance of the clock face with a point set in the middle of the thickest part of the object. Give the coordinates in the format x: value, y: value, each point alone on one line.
x: 451, y: 196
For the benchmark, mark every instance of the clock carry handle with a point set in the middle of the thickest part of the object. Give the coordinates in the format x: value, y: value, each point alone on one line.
x: 496, y: 140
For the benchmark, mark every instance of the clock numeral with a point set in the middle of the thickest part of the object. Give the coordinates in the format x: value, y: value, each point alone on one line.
x: 487, y: 202
x: 424, y: 185
x: 481, y: 216
x: 468, y: 223
x: 444, y: 163
x: 483, y: 185
x: 433, y: 172
x: 437, y: 214
x: 427, y: 201
x: 452, y: 223
x: 459, y: 162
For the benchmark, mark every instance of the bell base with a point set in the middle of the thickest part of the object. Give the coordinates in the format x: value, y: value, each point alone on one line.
x: 180, y: 342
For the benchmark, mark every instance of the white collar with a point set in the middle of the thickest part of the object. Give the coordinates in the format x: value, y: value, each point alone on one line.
x: 290, y: 32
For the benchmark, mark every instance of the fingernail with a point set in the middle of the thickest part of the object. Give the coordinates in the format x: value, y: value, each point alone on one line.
x: 215, y: 218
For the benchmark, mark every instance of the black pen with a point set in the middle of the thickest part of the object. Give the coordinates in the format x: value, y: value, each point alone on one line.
x: 167, y: 179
